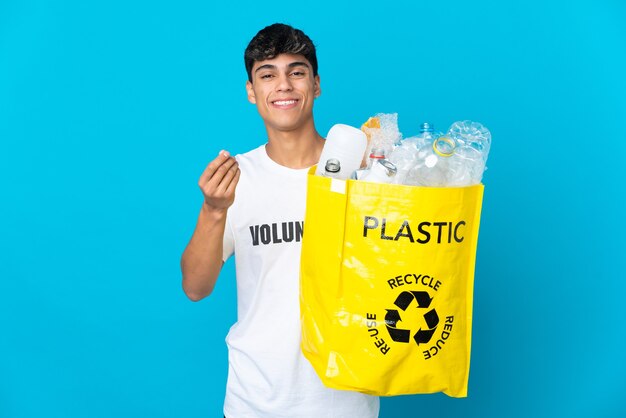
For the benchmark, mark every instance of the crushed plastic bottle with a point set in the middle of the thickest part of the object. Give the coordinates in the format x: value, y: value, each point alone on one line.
x: 404, y: 157
x: 471, y: 134
x: 382, y: 171
x: 473, y: 145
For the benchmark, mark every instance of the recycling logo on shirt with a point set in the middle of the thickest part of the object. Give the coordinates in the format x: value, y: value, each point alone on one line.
x: 412, y: 303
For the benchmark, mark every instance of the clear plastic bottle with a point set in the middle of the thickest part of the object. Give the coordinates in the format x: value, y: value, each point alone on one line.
x: 471, y: 134
x: 426, y: 135
x: 473, y: 144
x: 404, y: 157
x: 434, y: 168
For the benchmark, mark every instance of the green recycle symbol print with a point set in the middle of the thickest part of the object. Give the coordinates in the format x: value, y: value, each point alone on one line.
x: 403, y: 301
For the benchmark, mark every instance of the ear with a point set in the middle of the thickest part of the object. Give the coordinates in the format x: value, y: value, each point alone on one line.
x: 250, y: 90
x: 317, y: 90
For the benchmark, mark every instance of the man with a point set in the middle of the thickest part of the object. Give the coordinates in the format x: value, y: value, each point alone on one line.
x: 268, y: 375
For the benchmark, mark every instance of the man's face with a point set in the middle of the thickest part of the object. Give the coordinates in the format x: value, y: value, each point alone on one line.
x: 283, y: 89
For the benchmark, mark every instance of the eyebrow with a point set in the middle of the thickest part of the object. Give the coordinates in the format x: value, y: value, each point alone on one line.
x: 290, y: 65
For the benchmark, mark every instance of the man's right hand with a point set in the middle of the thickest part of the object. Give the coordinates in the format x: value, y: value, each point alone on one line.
x: 202, y: 260
x: 218, y: 182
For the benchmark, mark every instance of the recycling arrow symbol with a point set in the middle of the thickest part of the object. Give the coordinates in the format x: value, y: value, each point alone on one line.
x: 403, y: 301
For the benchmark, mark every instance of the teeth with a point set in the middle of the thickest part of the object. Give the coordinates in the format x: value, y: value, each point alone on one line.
x: 284, y: 102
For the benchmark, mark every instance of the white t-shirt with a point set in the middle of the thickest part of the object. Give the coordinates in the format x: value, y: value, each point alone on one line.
x: 268, y: 376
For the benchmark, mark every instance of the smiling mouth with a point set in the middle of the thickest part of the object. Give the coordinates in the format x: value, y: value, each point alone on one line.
x: 285, y: 104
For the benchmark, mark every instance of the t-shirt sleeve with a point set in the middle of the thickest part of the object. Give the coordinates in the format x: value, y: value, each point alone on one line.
x: 229, y: 241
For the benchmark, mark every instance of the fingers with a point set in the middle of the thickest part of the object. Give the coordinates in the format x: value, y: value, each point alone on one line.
x: 230, y: 190
x: 213, y: 166
x: 218, y: 181
x: 221, y: 171
x: 226, y: 179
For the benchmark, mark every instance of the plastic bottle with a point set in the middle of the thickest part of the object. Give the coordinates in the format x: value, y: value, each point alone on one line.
x: 427, y: 127
x: 404, y: 157
x: 472, y: 134
x: 345, y: 144
x: 332, y: 168
x: 376, y: 154
x: 473, y: 144
x: 434, y: 168
x: 426, y: 135
x: 359, y: 174
x: 382, y: 171
x: 465, y: 167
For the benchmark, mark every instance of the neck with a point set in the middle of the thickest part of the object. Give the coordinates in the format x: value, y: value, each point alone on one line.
x: 300, y: 148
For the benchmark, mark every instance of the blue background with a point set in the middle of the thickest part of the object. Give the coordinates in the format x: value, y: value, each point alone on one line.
x: 109, y: 112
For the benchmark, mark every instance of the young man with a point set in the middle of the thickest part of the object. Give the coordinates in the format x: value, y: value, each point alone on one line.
x: 268, y: 376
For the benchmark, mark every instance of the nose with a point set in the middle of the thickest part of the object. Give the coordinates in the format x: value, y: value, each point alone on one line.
x: 284, y: 83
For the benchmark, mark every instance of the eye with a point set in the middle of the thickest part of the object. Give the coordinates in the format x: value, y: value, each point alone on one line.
x: 298, y: 73
x: 266, y: 76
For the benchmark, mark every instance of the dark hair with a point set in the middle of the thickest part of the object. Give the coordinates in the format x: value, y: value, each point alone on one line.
x: 277, y: 39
